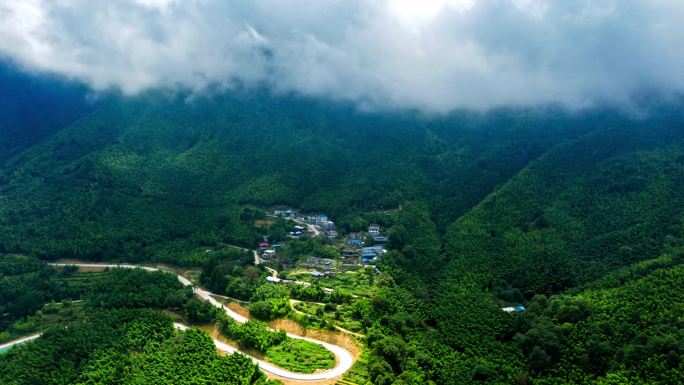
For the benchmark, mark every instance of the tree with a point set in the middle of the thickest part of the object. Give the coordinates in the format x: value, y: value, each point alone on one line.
x: 262, y: 310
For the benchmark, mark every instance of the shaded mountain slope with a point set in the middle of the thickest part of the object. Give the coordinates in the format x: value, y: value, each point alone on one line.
x: 585, y: 208
x: 135, y: 173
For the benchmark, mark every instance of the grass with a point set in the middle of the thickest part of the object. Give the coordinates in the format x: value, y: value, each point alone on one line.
x: 343, y: 316
x: 357, y: 282
x: 81, y: 282
x: 300, y: 356
x: 358, y: 374
x: 310, y: 308
x: 50, y: 315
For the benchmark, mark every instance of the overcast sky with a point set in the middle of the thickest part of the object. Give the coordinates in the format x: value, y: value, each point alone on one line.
x: 435, y: 55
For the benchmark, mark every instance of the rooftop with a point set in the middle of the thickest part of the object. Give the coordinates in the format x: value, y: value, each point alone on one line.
x: 372, y: 248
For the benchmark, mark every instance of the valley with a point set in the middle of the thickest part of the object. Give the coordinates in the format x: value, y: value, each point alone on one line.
x: 145, y: 236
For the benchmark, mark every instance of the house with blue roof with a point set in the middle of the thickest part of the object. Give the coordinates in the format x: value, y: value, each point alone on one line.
x: 511, y: 309
x: 354, y: 242
x: 372, y: 249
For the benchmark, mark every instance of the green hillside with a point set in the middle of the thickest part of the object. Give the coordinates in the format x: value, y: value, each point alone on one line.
x: 571, y: 219
x: 33, y: 107
x: 137, y: 175
x: 586, y: 207
x: 562, y: 212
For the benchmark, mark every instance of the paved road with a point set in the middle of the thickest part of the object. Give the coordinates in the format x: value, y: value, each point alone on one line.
x: 345, y: 359
x: 312, y: 228
x: 8, y: 345
x: 270, y: 368
x: 274, y: 273
x: 233, y: 246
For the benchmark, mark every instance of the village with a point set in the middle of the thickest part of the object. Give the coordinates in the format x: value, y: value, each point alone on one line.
x: 353, y: 251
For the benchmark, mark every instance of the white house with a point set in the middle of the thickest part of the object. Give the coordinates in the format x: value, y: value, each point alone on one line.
x: 374, y: 230
x: 512, y: 309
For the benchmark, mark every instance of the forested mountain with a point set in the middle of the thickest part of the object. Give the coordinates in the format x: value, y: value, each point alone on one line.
x: 564, y: 211
x: 114, y: 336
x: 584, y: 208
x: 34, y: 106
x: 139, y: 172
x: 136, y: 173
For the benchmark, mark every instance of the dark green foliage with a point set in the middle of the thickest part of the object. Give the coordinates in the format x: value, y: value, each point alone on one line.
x: 309, y: 247
x: 151, y: 178
x: 416, y: 241
x: 26, y: 284
x: 34, y: 107
x: 626, y: 332
x: 313, y: 293
x: 557, y: 224
x: 548, y: 230
x: 632, y: 331
x: 117, y: 343
x: 278, y: 230
x: 262, y: 310
x: 301, y: 356
x: 137, y: 288
x: 231, y: 272
x: 252, y: 334
x: 124, y: 347
x: 554, y: 210
x: 200, y: 311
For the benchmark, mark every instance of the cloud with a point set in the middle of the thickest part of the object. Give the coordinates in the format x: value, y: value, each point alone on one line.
x: 433, y: 55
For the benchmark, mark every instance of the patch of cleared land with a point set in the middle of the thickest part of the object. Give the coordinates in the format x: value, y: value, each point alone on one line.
x: 301, y: 356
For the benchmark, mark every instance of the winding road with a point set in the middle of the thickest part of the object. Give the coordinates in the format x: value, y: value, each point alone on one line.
x: 344, y: 358
x: 310, y: 227
x: 19, y: 341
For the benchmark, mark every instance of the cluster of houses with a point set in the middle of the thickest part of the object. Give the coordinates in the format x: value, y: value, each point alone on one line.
x: 314, y: 274
x: 354, y: 255
x: 277, y: 280
x: 287, y: 213
x: 320, y: 221
x: 327, y: 227
x: 299, y: 232
x: 269, y: 252
x: 325, y: 263
x: 355, y: 249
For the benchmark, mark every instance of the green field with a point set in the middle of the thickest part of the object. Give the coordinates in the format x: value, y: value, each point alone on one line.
x: 357, y: 282
x: 300, y: 356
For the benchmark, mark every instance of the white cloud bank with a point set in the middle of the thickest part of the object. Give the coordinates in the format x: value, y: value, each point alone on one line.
x: 435, y: 55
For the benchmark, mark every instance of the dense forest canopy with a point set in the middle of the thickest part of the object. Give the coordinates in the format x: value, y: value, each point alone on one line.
x: 33, y: 106
x: 578, y: 215
x: 143, y: 177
